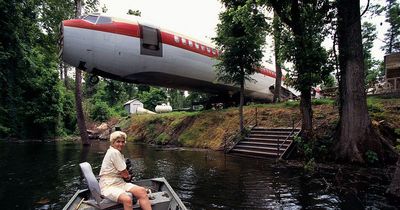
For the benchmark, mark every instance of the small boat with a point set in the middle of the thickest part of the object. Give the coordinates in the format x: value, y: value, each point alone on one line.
x: 161, y: 195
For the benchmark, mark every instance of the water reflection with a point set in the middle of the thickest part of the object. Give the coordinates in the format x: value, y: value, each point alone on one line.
x: 49, y: 174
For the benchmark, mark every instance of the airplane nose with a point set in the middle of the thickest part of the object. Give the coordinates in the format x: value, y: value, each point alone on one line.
x: 61, y: 41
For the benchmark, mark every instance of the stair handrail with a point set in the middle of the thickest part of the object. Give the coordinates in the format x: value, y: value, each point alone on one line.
x: 291, y: 132
x: 240, y: 133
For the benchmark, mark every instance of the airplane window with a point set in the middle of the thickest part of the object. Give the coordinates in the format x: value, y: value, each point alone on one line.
x: 184, y: 41
x: 197, y: 45
x: 190, y: 43
x: 104, y: 20
x: 91, y: 18
x: 176, y: 38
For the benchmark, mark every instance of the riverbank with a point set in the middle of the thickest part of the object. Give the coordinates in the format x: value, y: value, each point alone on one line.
x: 213, y: 128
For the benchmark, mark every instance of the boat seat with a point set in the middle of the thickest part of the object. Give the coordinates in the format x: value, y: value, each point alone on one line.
x: 98, y: 201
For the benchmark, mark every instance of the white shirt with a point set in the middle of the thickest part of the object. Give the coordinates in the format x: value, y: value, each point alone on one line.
x: 113, y: 164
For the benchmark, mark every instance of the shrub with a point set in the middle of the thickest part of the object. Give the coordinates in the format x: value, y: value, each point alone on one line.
x: 371, y: 156
x: 100, y: 111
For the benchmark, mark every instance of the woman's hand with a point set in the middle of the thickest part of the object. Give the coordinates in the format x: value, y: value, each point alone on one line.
x: 125, y: 174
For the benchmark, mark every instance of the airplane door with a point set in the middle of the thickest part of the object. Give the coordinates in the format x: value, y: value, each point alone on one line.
x: 150, y: 41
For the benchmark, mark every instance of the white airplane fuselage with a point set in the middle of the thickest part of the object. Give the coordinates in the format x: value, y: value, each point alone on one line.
x: 133, y: 51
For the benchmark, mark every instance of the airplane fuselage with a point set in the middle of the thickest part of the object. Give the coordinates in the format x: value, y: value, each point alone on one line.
x: 133, y: 51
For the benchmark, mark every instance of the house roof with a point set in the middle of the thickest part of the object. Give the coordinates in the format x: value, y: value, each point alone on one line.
x: 132, y: 101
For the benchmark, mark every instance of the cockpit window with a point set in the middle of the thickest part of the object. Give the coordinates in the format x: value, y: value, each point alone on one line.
x: 91, y: 18
x: 104, y: 20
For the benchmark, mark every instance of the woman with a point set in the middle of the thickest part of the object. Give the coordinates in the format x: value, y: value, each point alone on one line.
x: 113, y: 172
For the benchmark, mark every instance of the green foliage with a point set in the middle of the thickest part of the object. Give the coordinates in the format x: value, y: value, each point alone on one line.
x: 163, y: 138
x: 374, y: 105
x: 31, y: 92
x: 177, y: 99
x: 240, y: 38
x: 134, y: 12
x: 100, y: 111
x: 323, y: 101
x: 371, y: 157
x: 310, y: 165
x: 314, y: 149
x: 397, y: 131
x: 329, y: 82
x: 392, y: 36
x: 302, y: 43
x: 305, y: 147
x: 397, y: 144
x: 292, y: 104
x: 68, y: 113
x: 372, y: 66
x: 153, y: 97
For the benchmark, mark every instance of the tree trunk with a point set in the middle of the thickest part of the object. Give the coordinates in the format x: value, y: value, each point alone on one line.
x: 241, y: 105
x: 278, y: 70
x: 79, y: 109
x: 278, y: 80
x: 78, y: 92
x: 394, y: 188
x: 306, y: 114
x: 65, y: 75
x: 355, y: 133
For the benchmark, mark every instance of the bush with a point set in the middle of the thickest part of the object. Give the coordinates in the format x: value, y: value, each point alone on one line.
x: 292, y: 104
x: 100, y: 111
x: 323, y: 101
x: 371, y: 157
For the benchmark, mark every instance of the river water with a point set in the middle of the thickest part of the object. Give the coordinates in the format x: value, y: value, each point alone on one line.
x: 44, y: 175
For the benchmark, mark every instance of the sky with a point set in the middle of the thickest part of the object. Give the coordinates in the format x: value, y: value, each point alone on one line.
x: 199, y: 18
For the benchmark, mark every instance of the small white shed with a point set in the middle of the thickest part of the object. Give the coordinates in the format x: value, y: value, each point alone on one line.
x: 132, y: 106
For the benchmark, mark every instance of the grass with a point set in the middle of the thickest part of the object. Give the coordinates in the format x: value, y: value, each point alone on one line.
x: 211, y: 128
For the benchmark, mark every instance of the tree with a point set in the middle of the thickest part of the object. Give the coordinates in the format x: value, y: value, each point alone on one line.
x: 177, y: 99
x: 392, y: 36
x: 394, y: 187
x: 153, y: 97
x: 78, y: 91
x: 369, y: 35
x: 240, y: 38
x: 306, y: 20
x: 30, y: 100
x: 356, y: 137
x: 134, y: 12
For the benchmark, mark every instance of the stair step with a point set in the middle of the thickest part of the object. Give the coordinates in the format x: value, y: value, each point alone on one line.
x: 276, y: 129
x: 270, y: 154
x: 253, y: 155
x: 258, y: 148
x: 263, y: 142
x: 280, y: 137
x: 285, y: 145
x: 273, y: 132
x: 266, y: 139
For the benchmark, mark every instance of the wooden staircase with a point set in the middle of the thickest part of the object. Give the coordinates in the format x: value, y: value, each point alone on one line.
x: 265, y: 142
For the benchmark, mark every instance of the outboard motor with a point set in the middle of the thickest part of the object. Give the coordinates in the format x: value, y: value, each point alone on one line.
x: 129, y: 169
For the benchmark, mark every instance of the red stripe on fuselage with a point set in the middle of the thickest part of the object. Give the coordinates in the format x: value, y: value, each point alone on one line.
x: 168, y: 38
x: 133, y: 30
x: 114, y: 27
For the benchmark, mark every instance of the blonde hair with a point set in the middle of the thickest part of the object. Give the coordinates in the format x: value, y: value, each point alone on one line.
x: 116, y: 135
